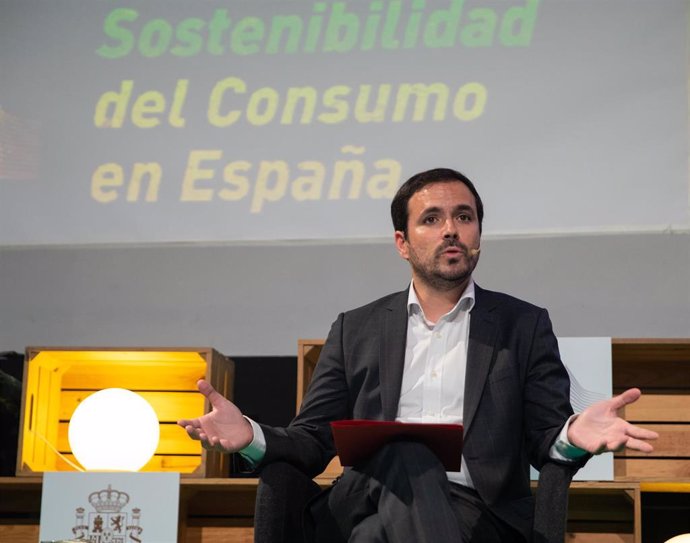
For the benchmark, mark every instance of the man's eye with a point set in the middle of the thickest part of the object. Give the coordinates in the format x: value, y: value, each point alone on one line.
x: 464, y: 217
x: 430, y: 220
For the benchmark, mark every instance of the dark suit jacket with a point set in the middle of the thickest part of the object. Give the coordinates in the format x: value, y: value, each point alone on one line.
x: 516, y: 393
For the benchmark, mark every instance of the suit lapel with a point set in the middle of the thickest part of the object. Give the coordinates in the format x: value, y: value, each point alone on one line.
x: 480, y: 354
x: 392, y: 354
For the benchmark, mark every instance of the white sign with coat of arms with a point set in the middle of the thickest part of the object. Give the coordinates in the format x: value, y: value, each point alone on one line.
x: 110, y: 507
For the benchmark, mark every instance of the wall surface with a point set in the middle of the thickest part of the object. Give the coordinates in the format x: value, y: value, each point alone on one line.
x: 258, y: 300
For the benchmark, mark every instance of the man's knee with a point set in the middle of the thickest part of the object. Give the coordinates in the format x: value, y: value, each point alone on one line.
x: 404, y: 487
x: 408, y: 450
x: 409, y: 456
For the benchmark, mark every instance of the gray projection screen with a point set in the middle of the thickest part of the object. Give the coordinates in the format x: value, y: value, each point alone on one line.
x: 188, y: 121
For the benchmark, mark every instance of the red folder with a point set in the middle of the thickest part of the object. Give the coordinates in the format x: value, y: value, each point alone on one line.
x: 357, y: 440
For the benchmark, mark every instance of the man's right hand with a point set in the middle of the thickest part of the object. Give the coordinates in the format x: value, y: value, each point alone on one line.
x: 224, y: 429
x: 599, y: 429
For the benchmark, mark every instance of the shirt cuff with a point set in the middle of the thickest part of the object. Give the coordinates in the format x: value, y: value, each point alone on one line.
x: 254, y: 452
x: 562, y: 449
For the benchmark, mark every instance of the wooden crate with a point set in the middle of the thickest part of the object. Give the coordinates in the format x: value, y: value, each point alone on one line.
x: 56, y: 380
x: 661, y: 369
x: 308, y: 351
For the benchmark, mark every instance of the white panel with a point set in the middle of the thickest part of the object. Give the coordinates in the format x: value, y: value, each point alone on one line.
x: 110, y: 507
x: 569, y: 115
x: 588, y: 361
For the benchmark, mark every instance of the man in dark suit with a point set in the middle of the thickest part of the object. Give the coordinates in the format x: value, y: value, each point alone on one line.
x: 444, y: 350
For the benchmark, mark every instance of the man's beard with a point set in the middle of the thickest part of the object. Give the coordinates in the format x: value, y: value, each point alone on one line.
x: 438, y: 278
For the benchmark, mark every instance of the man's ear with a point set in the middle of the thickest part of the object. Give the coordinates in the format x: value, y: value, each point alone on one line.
x: 401, y: 244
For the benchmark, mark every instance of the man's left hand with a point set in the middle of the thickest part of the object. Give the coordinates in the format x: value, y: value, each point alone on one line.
x: 599, y: 429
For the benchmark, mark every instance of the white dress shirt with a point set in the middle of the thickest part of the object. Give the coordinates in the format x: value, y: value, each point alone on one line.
x: 433, y: 384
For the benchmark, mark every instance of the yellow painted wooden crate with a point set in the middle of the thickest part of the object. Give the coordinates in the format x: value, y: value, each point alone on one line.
x: 57, y: 379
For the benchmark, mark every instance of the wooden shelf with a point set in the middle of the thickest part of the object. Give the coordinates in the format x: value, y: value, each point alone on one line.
x: 211, y: 510
x: 221, y: 510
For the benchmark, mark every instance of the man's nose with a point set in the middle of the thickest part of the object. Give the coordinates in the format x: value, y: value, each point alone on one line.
x: 450, y: 229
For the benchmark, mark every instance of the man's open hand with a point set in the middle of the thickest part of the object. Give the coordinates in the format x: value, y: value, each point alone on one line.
x: 224, y: 429
x: 599, y: 429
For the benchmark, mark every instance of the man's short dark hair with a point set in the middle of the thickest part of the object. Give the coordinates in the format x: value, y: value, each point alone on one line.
x: 399, y: 205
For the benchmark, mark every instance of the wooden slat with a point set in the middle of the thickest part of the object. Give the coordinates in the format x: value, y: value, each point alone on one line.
x: 654, y: 365
x: 666, y: 486
x: 169, y: 406
x: 214, y: 534
x: 19, y: 533
x: 669, y: 380
x: 173, y: 440
x: 650, y: 468
x: 308, y: 351
x: 651, y: 375
x: 134, y: 377
x: 104, y: 354
x: 652, y: 350
x: 659, y: 408
x: 612, y: 507
x: 673, y: 442
x: 183, y: 464
x: 600, y: 527
x: 19, y: 498
x: 39, y: 425
x: 222, y: 504
x: 599, y: 538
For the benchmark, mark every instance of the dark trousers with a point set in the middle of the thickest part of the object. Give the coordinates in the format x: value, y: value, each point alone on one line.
x: 403, y: 494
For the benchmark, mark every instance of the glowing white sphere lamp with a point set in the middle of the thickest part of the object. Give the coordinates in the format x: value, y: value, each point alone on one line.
x: 114, y: 430
x: 682, y: 538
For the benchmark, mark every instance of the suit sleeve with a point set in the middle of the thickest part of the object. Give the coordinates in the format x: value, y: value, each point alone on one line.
x: 547, y: 392
x: 307, y: 442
